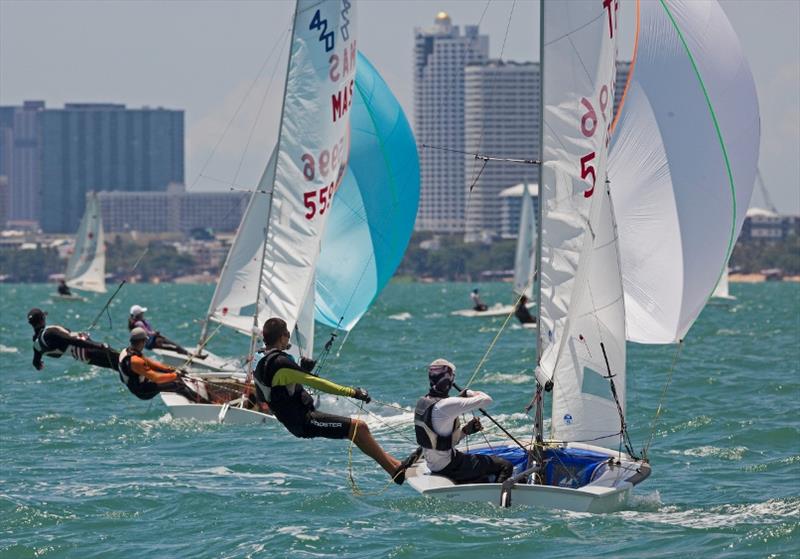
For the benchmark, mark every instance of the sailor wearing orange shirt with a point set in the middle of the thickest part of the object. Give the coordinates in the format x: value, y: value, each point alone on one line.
x: 146, y: 377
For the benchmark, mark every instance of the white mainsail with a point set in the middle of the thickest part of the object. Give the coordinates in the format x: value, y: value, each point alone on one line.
x: 582, y: 313
x: 270, y: 267
x: 683, y: 162
x: 525, y: 257
x: 86, y: 268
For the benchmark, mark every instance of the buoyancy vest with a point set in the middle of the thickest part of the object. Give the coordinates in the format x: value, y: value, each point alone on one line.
x: 135, y: 382
x: 290, y: 403
x: 423, y: 426
x: 41, y: 346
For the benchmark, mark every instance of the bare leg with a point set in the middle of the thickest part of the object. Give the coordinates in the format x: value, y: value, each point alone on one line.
x: 369, y: 446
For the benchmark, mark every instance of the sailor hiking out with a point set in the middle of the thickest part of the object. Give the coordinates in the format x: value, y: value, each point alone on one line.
x: 145, y: 378
x: 280, y: 383
x: 437, y: 430
x: 54, y: 341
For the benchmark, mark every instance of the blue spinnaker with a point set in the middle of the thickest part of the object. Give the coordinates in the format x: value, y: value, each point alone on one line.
x: 375, y: 207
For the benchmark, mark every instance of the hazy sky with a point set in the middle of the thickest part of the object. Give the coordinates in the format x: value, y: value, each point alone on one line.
x: 205, y: 56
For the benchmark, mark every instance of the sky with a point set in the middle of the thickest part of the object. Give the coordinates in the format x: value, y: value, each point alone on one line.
x: 223, y: 62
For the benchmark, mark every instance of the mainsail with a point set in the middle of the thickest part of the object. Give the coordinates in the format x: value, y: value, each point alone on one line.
x: 582, y: 317
x: 86, y: 268
x: 684, y: 161
x: 525, y: 256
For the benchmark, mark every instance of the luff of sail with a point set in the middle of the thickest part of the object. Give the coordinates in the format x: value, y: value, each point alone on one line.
x: 86, y: 268
x: 582, y: 312
x: 684, y: 160
x: 525, y: 257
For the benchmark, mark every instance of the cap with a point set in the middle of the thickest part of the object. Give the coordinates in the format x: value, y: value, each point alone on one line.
x: 35, y: 315
x: 138, y: 334
x: 441, y: 374
x: 137, y: 309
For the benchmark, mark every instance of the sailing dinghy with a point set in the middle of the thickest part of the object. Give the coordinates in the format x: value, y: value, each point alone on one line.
x: 524, y: 264
x: 689, y: 120
x: 86, y: 267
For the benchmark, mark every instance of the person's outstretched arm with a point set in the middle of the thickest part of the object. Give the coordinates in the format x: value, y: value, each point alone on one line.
x: 286, y: 375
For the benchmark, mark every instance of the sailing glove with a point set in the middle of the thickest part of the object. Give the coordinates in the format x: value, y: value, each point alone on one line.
x: 472, y: 427
x: 363, y: 395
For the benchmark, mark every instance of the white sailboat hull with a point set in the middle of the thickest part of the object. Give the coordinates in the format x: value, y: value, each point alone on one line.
x: 181, y: 408
x: 495, y: 310
x: 609, y: 492
x: 213, y: 363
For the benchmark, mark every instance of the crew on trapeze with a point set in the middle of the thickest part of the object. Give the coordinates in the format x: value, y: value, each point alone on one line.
x: 63, y: 289
x: 280, y: 383
x: 55, y: 341
x: 437, y: 429
x: 155, y: 340
x: 522, y: 313
x: 477, y: 304
x: 145, y: 377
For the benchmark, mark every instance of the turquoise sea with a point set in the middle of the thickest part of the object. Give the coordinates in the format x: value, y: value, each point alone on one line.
x: 87, y: 470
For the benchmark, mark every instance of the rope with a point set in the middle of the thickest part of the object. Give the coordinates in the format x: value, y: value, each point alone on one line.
x: 646, y: 448
x: 357, y: 491
x: 491, y: 345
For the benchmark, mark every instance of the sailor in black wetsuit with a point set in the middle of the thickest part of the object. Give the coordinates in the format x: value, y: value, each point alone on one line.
x: 522, y: 313
x: 63, y: 289
x: 55, y: 341
x: 279, y: 382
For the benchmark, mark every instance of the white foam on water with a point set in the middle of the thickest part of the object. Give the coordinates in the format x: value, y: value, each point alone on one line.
x: 6, y: 349
x: 400, y: 316
x: 772, y: 511
x: 298, y: 532
x: 508, y: 378
x: 735, y: 453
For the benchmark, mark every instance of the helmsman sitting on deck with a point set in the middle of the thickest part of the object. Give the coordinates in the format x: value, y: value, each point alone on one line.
x: 477, y: 304
x: 522, y: 313
x: 63, y: 288
x: 55, y: 341
x: 438, y: 432
x: 155, y: 340
x: 145, y: 378
x: 279, y: 382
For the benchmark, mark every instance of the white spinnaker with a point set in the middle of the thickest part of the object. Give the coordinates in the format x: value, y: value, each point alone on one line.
x: 236, y: 296
x: 86, y: 268
x: 683, y: 164
x: 581, y: 300
x: 526, y: 247
x: 313, y: 148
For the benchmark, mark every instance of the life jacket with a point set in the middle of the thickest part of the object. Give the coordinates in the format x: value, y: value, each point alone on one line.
x: 135, y: 382
x: 41, y: 346
x: 423, y: 426
x: 290, y: 403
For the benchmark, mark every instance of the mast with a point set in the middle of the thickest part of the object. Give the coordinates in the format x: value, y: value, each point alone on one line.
x: 538, y: 423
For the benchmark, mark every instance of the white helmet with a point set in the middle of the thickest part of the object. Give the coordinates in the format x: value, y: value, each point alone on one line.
x: 137, y: 309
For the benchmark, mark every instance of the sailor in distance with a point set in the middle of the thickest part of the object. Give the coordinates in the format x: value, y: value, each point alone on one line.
x: 279, y: 383
x: 154, y: 337
x: 437, y: 430
x: 55, y: 341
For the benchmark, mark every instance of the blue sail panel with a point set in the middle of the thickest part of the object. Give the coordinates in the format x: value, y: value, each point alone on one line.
x: 375, y: 207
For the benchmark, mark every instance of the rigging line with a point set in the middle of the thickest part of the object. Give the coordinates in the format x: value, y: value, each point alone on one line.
x: 624, y: 436
x: 200, y: 347
x: 117, y: 290
x: 491, y: 346
x: 382, y: 422
x: 258, y: 115
x: 646, y: 448
x: 239, y: 108
x: 230, y: 184
x: 484, y: 157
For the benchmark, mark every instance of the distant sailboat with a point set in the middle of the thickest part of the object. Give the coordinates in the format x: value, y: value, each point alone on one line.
x: 86, y: 267
x: 721, y: 291
x: 524, y: 261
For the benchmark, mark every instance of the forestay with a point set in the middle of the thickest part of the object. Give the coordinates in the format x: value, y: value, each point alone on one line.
x: 581, y: 288
x: 525, y: 257
x: 683, y: 164
x: 373, y: 216
x: 86, y: 267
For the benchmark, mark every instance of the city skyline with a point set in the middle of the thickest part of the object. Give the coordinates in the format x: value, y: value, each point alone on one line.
x: 207, y: 64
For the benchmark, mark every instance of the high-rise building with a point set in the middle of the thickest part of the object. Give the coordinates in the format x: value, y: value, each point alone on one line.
x: 501, y: 118
x: 57, y: 155
x: 441, y: 54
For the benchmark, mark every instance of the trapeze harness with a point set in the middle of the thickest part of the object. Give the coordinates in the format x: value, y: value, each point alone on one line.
x: 289, y: 403
x: 141, y: 388
x: 40, y: 346
x: 423, y: 426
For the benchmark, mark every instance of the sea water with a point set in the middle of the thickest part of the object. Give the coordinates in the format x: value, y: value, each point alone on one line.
x: 87, y: 470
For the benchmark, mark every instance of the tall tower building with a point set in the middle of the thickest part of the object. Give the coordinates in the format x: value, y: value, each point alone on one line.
x: 441, y: 54
x: 501, y: 117
x: 19, y: 159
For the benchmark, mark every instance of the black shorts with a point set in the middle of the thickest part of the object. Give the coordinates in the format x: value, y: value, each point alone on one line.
x: 326, y: 425
x: 476, y: 468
